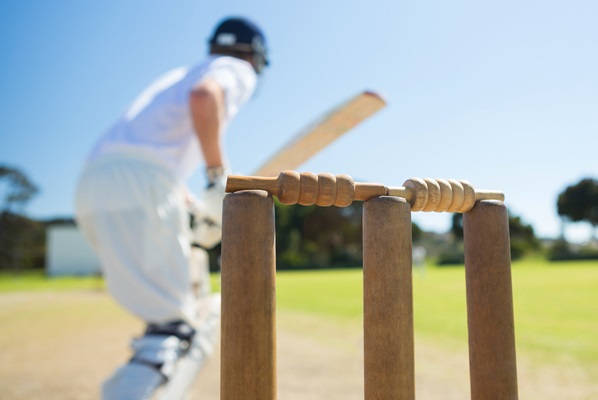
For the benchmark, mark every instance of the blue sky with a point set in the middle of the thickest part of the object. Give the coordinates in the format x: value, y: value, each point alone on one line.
x: 503, y: 94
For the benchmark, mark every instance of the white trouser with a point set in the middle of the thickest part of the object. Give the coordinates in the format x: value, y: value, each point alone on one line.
x: 133, y: 212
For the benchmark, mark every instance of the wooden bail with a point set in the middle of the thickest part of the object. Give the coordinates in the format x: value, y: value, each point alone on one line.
x: 307, y: 188
x: 248, y: 349
x: 493, y: 366
x: 326, y: 190
x: 388, y: 300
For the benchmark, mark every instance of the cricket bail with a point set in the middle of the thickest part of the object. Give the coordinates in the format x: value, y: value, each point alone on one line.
x: 323, y: 189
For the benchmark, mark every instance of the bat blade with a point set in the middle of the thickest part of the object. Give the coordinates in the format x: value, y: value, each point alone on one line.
x: 322, y: 132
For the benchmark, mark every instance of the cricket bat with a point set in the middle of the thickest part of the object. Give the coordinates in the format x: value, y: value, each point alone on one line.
x: 322, y: 132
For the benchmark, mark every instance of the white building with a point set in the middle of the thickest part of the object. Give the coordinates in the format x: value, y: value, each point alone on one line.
x: 68, y: 253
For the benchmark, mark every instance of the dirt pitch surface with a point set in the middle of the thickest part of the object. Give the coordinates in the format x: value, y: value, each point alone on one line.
x: 62, y: 345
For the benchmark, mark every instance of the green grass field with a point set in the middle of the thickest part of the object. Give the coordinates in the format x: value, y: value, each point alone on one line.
x: 556, y: 305
x: 36, y: 281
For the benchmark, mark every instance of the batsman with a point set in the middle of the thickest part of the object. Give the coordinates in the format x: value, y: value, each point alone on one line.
x: 133, y: 206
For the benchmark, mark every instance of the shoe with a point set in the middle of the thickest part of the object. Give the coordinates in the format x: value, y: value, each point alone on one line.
x: 201, y: 348
x: 155, y: 357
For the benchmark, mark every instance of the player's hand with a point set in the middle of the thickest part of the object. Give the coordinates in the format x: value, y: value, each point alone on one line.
x: 213, y: 195
x: 207, y: 210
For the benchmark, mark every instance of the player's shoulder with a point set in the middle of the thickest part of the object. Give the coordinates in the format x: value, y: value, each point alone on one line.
x: 230, y: 73
x: 221, y: 62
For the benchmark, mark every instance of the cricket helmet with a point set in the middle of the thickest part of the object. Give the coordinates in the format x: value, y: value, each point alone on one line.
x: 241, y: 34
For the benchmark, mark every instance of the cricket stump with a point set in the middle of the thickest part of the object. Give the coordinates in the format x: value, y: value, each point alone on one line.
x: 388, y: 300
x: 492, y: 361
x: 248, y: 328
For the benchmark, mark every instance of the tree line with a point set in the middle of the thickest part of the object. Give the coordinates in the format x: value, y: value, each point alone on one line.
x: 306, y: 237
x: 22, y: 240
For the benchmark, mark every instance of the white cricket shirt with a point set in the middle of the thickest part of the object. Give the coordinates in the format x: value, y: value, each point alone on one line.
x: 158, y: 124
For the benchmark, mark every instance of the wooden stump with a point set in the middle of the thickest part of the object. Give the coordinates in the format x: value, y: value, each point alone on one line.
x: 388, y: 300
x: 248, y: 340
x: 493, y: 369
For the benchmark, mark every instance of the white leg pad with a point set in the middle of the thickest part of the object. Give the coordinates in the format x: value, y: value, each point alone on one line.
x: 202, y: 347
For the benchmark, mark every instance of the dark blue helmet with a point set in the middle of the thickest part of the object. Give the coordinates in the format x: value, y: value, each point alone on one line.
x: 241, y: 34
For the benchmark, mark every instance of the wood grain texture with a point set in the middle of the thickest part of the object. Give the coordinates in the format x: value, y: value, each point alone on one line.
x: 248, y: 333
x: 493, y: 369
x: 388, y: 300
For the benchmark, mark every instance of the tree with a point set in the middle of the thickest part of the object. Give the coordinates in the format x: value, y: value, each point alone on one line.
x: 522, y: 237
x: 18, y: 234
x: 16, y: 189
x: 579, y: 203
x: 318, y: 236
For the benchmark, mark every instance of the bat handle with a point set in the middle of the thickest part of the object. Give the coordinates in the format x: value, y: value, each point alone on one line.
x: 325, y: 190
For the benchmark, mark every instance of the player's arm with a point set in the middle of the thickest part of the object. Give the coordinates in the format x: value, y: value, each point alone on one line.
x: 206, y: 102
x: 207, y: 107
